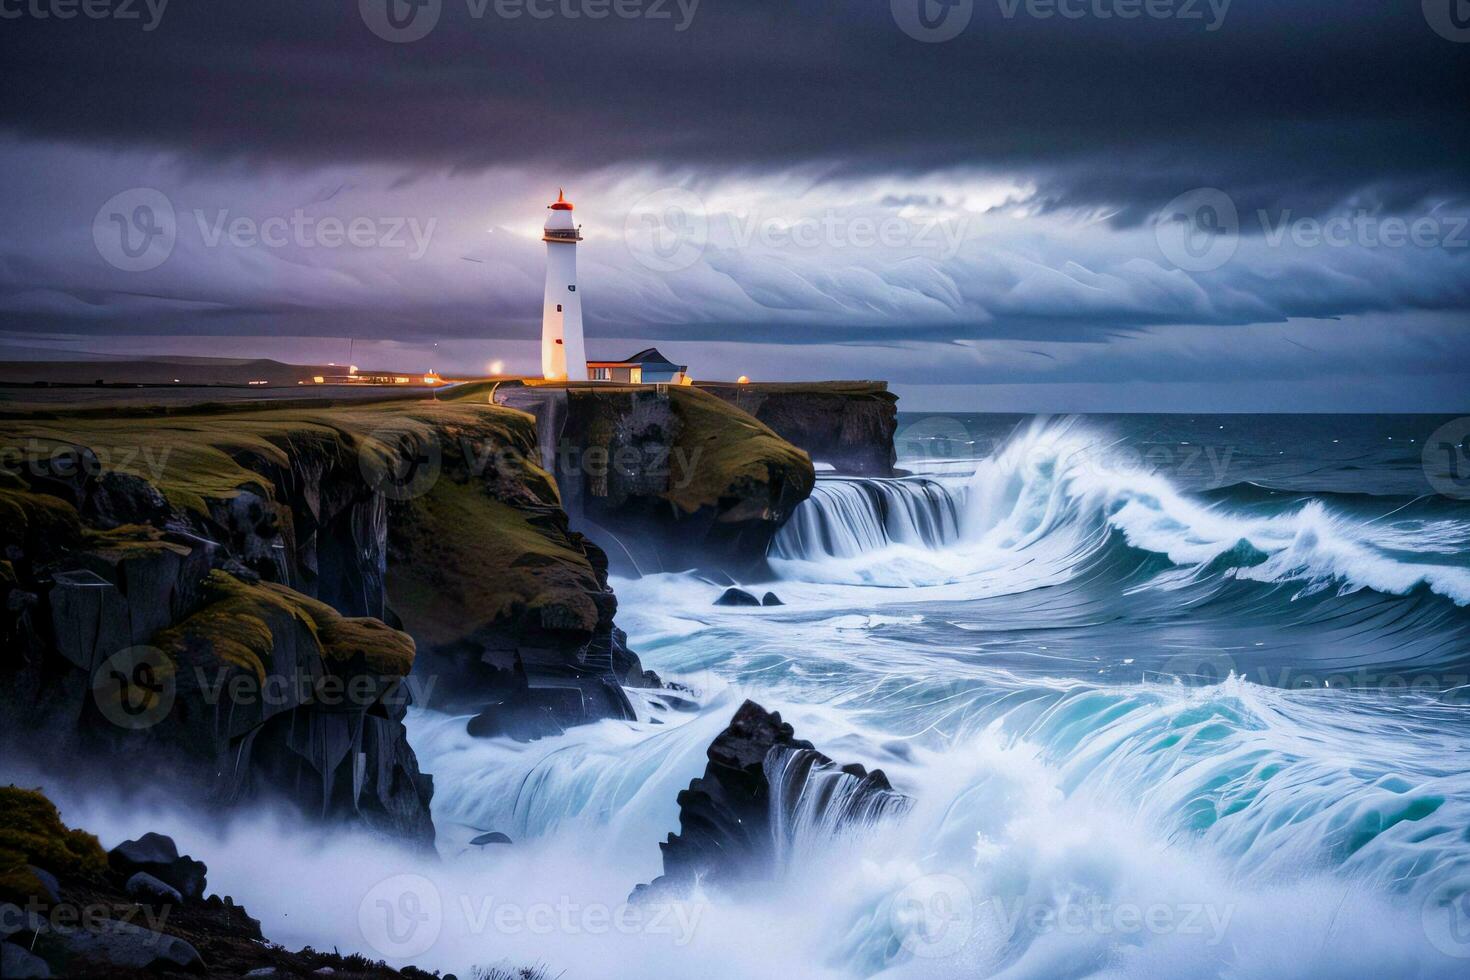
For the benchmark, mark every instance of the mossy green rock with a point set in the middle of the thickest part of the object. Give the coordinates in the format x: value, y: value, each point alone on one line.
x: 667, y: 477
x: 32, y: 834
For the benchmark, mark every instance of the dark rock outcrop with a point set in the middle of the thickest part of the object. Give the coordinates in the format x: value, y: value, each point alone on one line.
x: 846, y: 424
x: 736, y: 597
x: 771, y: 599
x: 122, y: 932
x: 156, y: 856
x: 199, y: 599
x: 762, y: 788
x: 667, y: 477
x: 113, y: 946
x: 146, y: 888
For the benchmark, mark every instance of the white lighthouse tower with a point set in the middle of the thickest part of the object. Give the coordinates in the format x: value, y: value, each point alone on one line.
x: 563, y: 354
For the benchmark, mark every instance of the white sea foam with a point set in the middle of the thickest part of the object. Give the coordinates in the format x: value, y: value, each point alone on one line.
x: 1047, y: 503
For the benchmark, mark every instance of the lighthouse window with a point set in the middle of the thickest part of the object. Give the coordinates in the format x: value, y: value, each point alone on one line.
x: 558, y: 307
x: 571, y: 289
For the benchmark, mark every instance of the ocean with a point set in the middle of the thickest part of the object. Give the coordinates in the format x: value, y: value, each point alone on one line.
x: 1174, y: 697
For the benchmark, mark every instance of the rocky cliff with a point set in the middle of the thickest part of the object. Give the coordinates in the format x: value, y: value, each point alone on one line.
x: 234, y: 603
x: 762, y: 788
x: 667, y: 477
x: 69, y: 908
x: 846, y: 424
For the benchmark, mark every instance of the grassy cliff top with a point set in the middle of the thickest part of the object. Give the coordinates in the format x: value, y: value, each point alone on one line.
x: 848, y: 388
x: 469, y: 559
x: 728, y: 451
x: 32, y: 834
x: 239, y: 623
x: 212, y: 452
x: 727, y: 448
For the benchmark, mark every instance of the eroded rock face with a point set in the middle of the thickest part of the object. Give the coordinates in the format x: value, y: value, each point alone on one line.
x: 847, y: 424
x: 97, y: 917
x: 666, y: 477
x: 248, y: 565
x: 510, y: 608
x: 762, y: 790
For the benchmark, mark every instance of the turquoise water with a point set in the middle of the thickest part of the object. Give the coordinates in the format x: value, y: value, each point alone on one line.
x: 1174, y: 697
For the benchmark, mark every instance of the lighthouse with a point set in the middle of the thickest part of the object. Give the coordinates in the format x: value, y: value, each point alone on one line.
x: 563, y: 355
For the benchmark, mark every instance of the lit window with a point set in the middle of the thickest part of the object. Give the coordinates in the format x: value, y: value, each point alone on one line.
x: 635, y: 375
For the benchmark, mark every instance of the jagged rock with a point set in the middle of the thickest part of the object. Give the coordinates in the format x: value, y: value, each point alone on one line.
x: 727, y: 836
x: 736, y: 597
x: 157, y: 855
x: 151, y: 891
x: 771, y: 599
x: 494, y: 837
x: 113, y: 944
x: 20, y: 963
x: 116, y: 499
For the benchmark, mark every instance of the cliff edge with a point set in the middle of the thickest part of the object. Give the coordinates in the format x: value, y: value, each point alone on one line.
x: 239, y: 603
x: 848, y: 425
x: 668, y: 477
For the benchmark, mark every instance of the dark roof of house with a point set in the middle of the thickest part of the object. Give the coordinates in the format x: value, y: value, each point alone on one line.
x: 650, y: 356
x: 645, y: 358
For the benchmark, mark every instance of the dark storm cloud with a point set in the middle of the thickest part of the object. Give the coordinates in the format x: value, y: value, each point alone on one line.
x: 1285, y: 103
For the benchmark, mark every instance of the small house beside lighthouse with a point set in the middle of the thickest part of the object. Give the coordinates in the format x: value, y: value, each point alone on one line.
x: 563, y: 352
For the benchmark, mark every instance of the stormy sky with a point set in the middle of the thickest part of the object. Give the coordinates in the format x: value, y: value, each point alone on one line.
x: 996, y: 204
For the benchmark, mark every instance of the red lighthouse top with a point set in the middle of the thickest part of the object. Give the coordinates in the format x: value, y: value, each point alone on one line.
x: 561, y: 204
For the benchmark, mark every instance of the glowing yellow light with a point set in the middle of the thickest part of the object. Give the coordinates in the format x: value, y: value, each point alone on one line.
x: 742, y: 380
